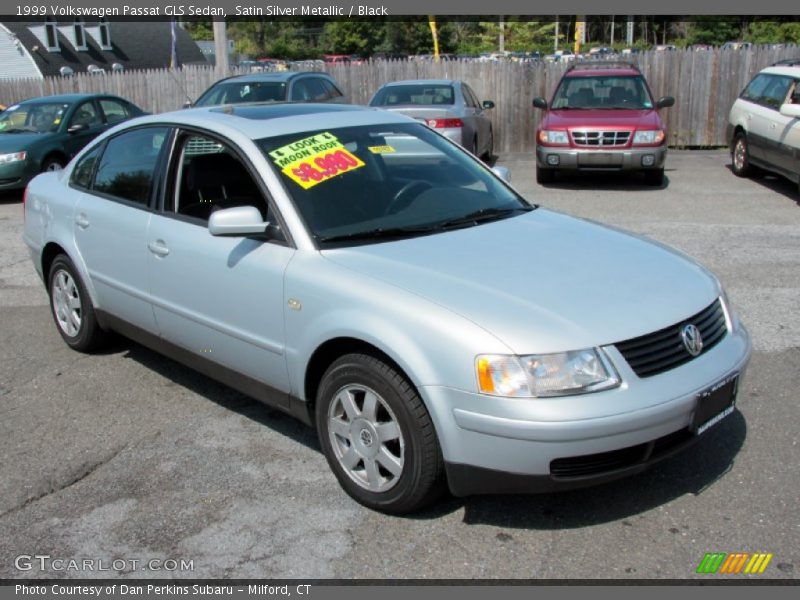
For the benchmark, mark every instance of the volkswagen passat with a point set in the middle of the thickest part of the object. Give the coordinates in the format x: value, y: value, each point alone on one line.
x: 356, y: 269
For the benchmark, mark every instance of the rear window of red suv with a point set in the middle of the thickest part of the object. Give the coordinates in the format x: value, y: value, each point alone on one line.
x: 602, y: 92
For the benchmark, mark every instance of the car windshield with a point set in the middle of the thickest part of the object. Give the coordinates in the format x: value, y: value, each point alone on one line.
x: 237, y: 92
x: 378, y: 182
x: 602, y: 92
x: 423, y: 95
x: 39, y: 117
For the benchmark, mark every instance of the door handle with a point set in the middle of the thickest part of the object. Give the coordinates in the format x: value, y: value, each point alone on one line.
x: 159, y: 248
x: 82, y: 220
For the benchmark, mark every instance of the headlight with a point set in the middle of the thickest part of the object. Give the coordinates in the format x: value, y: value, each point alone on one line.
x: 653, y: 136
x: 13, y: 157
x: 553, y: 137
x: 542, y: 375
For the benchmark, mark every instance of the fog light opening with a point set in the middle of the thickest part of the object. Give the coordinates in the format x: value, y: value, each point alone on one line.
x: 648, y: 160
x: 553, y: 160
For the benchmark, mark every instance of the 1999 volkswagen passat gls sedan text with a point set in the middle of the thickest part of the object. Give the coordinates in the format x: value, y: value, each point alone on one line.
x: 363, y: 273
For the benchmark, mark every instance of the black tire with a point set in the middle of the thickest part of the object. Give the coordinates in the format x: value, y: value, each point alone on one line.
x: 544, y: 175
x: 654, y: 177
x: 52, y: 163
x: 87, y: 335
x: 420, y: 478
x: 740, y: 156
x: 487, y: 157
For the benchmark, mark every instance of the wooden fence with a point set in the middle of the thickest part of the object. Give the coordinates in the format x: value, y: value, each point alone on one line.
x: 704, y: 84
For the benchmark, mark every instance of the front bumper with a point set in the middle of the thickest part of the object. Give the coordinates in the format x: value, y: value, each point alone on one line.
x: 16, y: 175
x: 601, y: 158
x: 499, y: 445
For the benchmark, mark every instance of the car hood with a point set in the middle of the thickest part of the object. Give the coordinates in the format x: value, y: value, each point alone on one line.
x: 543, y: 281
x: 16, y: 142
x: 567, y: 119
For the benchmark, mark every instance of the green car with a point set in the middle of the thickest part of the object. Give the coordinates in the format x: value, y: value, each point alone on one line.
x: 43, y: 134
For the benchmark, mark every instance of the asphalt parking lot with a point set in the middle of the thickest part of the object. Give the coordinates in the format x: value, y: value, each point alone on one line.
x: 128, y: 455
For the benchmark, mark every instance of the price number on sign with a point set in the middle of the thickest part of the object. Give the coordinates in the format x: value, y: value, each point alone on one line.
x: 323, y: 166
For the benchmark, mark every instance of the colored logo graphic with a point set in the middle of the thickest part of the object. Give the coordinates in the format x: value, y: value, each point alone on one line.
x: 737, y: 562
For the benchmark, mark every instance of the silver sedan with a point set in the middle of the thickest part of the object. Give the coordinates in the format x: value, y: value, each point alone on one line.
x: 355, y: 269
x: 449, y: 106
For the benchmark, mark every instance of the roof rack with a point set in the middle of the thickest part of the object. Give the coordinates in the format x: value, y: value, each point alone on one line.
x: 787, y: 62
x: 602, y: 64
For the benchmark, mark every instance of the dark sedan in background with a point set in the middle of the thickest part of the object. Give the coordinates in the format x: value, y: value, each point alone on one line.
x: 43, y: 134
x: 450, y: 107
x: 282, y: 86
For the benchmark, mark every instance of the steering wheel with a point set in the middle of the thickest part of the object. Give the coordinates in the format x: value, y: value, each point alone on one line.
x: 405, y: 195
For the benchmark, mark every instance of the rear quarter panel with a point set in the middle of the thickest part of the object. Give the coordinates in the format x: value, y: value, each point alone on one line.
x: 49, y: 214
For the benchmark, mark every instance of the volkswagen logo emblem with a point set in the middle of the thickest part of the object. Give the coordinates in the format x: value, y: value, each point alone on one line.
x: 692, y: 340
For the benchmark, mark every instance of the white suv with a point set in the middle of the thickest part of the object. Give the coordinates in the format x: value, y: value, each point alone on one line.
x: 764, y: 123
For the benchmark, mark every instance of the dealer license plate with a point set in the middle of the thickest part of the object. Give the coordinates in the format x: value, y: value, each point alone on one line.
x: 715, y: 404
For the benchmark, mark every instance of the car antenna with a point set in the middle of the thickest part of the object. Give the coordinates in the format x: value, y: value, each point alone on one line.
x: 180, y: 86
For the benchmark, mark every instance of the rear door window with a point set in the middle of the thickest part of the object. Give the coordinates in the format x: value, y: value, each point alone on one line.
x: 128, y: 167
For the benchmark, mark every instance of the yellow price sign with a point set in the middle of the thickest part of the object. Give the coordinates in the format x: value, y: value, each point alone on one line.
x: 313, y: 160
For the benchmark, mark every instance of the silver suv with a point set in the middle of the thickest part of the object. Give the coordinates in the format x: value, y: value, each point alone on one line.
x: 764, y: 123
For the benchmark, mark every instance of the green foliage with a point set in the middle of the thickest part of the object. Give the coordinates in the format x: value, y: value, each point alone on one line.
x: 258, y: 37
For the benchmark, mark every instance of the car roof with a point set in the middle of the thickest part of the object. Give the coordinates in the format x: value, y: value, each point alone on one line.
x: 261, y: 120
x: 422, y: 82
x: 65, y: 98
x: 610, y: 72
x: 789, y: 70
x: 277, y: 76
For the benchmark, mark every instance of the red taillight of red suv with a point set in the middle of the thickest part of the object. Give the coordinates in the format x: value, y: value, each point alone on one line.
x: 444, y: 123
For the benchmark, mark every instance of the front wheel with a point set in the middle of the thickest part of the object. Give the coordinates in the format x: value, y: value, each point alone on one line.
x: 377, y: 435
x: 52, y: 164
x: 72, y: 307
x: 654, y: 177
x: 544, y: 175
x: 740, y: 156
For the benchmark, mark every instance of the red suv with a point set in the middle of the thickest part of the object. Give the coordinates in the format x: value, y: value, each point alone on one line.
x: 602, y: 118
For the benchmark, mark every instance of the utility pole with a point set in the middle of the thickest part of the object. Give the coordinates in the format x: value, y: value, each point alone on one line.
x: 502, y: 40
x: 555, y: 41
x: 612, y: 31
x: 629, y: 39
x: 221, y: 47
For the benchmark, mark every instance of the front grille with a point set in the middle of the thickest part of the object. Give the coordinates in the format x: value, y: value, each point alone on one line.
x: 663, y: 350
x: 607, y: 462
x: 600, y: 138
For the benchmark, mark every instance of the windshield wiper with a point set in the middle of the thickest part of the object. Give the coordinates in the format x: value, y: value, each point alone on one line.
x: 379, y: 233
x: 482, y: 216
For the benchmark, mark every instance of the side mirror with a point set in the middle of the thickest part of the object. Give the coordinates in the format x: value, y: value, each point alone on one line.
x: 77, y: 127
x: 487, y: 104
x: 503, y: 173
x: 790, y: 110
x: 665, y: 102
x: 540, y: 103
x: 188, y: 104
x: 237, y: 222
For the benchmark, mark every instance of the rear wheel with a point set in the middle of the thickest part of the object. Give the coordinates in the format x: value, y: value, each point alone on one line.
x: 544, y: 175
x: 740, y: 156
x: 377, y: 435
x: 72, y: 307
x: 654, y: 177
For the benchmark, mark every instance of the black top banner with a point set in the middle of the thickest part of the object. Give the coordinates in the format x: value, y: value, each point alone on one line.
x: 374, y: 8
